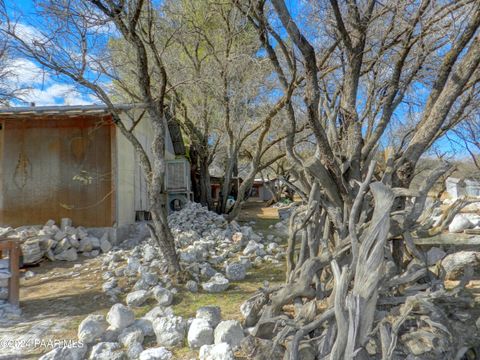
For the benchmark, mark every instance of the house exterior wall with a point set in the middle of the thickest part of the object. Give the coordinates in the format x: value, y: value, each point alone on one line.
x: 130, y: 181
x: 75, y: 166
x: 54, y: 167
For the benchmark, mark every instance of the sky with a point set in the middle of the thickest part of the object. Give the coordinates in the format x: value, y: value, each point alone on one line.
x: 37, y: 85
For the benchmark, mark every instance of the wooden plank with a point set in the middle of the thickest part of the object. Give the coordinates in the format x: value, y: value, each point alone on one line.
x: 472, y: 231
x: 449, y: 239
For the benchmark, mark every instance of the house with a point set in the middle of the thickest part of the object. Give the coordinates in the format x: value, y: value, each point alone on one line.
x: 462, y: 187
x: 73, y: 162
x: 261, y: 189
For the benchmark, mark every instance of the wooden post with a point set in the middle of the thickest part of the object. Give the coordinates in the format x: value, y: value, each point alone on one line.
x: 14, y: 252
x: 14, y: 281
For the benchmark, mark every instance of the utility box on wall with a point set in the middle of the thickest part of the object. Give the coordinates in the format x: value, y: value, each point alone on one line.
x: 178, y: 184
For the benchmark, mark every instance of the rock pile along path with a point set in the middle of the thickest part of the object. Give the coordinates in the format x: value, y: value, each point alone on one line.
x: 60, y: 295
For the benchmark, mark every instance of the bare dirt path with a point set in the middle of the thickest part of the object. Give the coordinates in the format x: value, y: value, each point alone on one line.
x: 53, y: 303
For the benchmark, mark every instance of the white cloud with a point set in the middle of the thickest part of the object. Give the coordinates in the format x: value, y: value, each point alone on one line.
x: 25, y: 73
x: 35, y: 85
x: 57, y: 94
x: 28, y: 33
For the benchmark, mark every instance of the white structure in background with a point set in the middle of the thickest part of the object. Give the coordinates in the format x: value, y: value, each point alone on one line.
x: 462, y: 187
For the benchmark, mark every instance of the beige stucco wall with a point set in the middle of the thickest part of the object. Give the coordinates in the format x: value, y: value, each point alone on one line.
x: 130, y: 184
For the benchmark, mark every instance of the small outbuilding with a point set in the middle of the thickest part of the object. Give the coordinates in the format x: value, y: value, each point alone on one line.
x: 456, y: 187
x: 73, y: 162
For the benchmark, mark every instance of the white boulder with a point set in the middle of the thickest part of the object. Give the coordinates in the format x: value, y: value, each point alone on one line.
x: 200, y: 333
x: 120, y: 316
x: 91, y: 328
x: 460, y: 223
x: 210, y: 313
x: 216, y: 284
x: 159, y: 353
x: 235, y: 271
x: 230, y: 332
x: 221, y: 351
x: 162, y: 295
x: 137, y: 298
x: 170, y: 330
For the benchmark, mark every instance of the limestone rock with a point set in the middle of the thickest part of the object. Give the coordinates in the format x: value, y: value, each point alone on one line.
x: 192, y: 286
x: 149, y: 253
x: 67, y: 255
x: 163, y: 296
x: 230, y: 332
x: 157, y: 312
x: 66, y: 353
x: 200, y: 333
x: 62, y: 246
x: 216, y: 284
x: 137, y: 298
x: 91, y: 328
x: 251, y: 247
x: 235, y: 271
x: 221, y: 351
x: 250, y: 309
x: 120, y: 316
x: 107, y: 351
x: 85, y: 245
x: 134, y: 350
x: 435, y: 254
x: 460, y: 223
x: 131, y: 335
x: 210, y: 313
x: 170, y: 330
x: 159, y: 353
x: 145, y: 325
x: 105, y: 245
x: 31, y: 251
x: 95, y: 242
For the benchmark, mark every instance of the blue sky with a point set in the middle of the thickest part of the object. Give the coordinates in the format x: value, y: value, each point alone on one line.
x: 39, y: 86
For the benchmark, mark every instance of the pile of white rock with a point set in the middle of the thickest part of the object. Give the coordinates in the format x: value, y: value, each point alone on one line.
x: 216, y: 252
x: 213, y: 251
x: 55, y: 242
x: 119, y: 335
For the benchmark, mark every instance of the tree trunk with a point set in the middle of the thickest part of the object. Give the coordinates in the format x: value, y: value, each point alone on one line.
x: 204, y: 182
x: 158, y: 197
x: 246, y: 185
x: 227, y: 184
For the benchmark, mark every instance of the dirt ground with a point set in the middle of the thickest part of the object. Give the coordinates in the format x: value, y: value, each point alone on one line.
x: 255, y: 210
x: 53, y: 303
x: 62, y: 294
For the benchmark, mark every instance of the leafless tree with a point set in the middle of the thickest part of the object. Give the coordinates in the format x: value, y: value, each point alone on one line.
x: 468, y: 134
x: 71, y: 41
x: 7, y: 90
x: 362, y: 67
